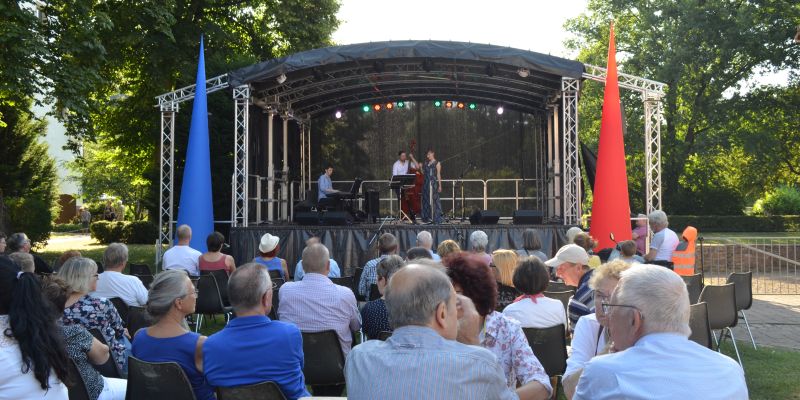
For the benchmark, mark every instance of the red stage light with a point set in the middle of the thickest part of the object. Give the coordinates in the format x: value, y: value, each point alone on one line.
x: 376, y: 107
x: 448, y: 104
x: 460, y: 105
x: 389, y: 106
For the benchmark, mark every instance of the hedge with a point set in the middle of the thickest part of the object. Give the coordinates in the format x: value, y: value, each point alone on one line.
x: 736, y: 223
x: 130, y: 232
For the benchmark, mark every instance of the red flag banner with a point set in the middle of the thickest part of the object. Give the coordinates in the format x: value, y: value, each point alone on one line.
x: 611, y: 208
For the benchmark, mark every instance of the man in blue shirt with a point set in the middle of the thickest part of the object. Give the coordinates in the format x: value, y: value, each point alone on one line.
x: 326, y: 190
x: 252, y: 348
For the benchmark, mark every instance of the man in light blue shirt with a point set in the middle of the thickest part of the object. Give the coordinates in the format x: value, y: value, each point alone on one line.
x: 425, y: 240
x: 652, y: 356
x: 432, y: 354
x: 298, y: 270
x: 325, y: 184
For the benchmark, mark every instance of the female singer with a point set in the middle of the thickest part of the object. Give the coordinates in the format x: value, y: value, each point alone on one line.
x: 431, y: 189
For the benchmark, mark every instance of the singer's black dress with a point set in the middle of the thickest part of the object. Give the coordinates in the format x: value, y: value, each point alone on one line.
x: 431, y: 187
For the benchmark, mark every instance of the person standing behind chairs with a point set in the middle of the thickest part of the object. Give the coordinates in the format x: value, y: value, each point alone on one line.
x: 181, y: 256
x: 374, y: 316
x: 664, y: 242
x: 531, y: 245
x: 213, y: 259
x: 113, y: 283
x: 431, y: 190
x: 171, y: 299
x: 298, y: 269
x: 269, y: 248
x: 253, y: 348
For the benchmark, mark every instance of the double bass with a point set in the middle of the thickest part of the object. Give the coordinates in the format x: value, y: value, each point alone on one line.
x: 412, y: 197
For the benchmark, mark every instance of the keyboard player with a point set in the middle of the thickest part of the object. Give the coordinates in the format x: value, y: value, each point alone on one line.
x: 327, y: 195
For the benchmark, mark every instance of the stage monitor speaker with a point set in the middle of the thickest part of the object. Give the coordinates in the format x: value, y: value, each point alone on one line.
x: 337, y: 218
x: 484, y: 217
x: 372, y: 204
x: 531, y: 217
x: 306, y: 218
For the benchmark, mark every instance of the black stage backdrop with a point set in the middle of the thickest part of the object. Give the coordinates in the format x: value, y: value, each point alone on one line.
x: 349, y: 244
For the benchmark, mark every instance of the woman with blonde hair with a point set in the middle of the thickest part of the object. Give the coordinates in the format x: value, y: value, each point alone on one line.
x: 505, y: 262
x: 590, y: 338
x: 447, y: 248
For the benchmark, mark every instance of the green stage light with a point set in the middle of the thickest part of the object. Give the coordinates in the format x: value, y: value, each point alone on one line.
x: 401, y: 104
x: 437, y: 103
x: 365, y: 108
x: 472, y: 106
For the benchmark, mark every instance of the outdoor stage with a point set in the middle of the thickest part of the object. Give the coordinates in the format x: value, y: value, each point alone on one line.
x: 349, y: 244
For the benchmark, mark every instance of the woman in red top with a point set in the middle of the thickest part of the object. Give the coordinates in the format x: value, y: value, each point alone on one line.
x: 213, y: 259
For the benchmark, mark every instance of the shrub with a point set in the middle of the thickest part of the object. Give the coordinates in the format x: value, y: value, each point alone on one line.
x: 735, y: 223
x: 67, y: 227
x: 784, y: 200
x: 31, y: 215
x: 107, y: 231
x: 140, y: 232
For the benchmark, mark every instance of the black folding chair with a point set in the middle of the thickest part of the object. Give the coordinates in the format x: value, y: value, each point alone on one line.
x: 346, y: 281
x: 550, y: 347
x: 222, y: 282
x: 273, y: 274
x: 122, y: 308
x: 139, y: 269
x: 505, y: 296
x: 374, y: 293
x: 157, y: 381
x: 77, y: 389
x: 146, y: 280
x: 358, y: 271
x: 324, y: 360
x: 721, y: 303
x: 268, y: 390
x: 137, y: 319
x: 109, y: 369
x: 743, y: 281
x: 209, y: 300
x: 100, y: 268
x: 698, y: 322
x: 276, y: 300
x: 561, y: 296
x: 557, y: 286
x: 694, y: 285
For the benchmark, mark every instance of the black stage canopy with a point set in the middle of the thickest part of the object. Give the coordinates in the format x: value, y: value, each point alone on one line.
x: 320, y: 80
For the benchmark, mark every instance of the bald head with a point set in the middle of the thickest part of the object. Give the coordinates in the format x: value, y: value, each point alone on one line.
x: 414, y: 293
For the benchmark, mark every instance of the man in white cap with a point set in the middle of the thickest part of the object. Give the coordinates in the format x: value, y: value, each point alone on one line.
x: 181, y: 256
x: 571, y: 266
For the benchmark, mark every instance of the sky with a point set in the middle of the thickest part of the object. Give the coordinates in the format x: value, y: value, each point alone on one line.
x: 536, y: 25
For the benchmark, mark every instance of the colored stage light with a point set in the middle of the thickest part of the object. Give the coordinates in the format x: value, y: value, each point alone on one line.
x: 460, y: 105
x: 365, y: 108
x: 472, y: 106
x: 500, y: 110
x: 389, y: 106
x: 448, y: 104
x: 437, y: 103
x: 401, y: 104
x: 376, y: 107
x: 338, y: 114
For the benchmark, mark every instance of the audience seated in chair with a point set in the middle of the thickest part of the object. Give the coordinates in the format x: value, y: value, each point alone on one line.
x: 298, y: 269
x: 30, y: 336
x: 252, y: 348
x: 268, y: 249
x: 24, y: 261
x: 387, y: 245
x: 478, y: 242
x: 172, y: 297
x: 83, y: 348
x: 533, y: 309
x: 415, y: 253
x: 181, y: 256
x: 213, y: 259
x: 648, y: 318
x: 374, y: 317
x: 570, y: 263
x: 425, y: 240
x: 531, y: 245
x: 501, y: 335
x: 113, y: 283
x: 20, y: 242
x: 447, y: 248
x: 591, y: 338
x: 432, y: 354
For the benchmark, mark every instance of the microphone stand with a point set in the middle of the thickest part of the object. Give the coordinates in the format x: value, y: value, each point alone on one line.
x: 375, y: 236
x: 461, y: 182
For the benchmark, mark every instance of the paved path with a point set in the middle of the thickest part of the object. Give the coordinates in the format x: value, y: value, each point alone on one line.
x: 774, y: 320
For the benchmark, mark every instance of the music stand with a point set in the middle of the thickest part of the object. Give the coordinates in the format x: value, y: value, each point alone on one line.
x: 402, y: 182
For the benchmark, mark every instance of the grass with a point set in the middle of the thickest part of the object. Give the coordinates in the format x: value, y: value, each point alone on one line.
x: 61, y: 242
x: 770, y: 372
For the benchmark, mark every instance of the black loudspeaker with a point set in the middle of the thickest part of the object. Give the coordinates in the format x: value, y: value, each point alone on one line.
x: 372, y: 204
x: 533, y: 217
x: 306, y: 218
x: 484, y: 217
x: 337, y: 218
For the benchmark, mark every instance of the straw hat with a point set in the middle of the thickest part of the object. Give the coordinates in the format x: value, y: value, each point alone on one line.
x: 268, y: 243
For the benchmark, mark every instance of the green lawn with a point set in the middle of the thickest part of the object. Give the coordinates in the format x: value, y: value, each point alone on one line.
x: 61, y: 242
x: 771, y: 373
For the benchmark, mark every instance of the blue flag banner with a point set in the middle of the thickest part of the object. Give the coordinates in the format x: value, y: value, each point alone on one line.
x: 196, y: 208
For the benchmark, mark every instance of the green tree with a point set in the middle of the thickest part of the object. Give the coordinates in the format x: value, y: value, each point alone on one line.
x: 702, y: 50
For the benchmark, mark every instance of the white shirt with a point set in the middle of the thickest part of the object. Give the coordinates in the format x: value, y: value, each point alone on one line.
x: 14, y: 385
x: 585, y: 343
x: 663, y: 366
x: 400, y: 168
x: 182, y: 257
x: 665, y: 241
x: 544, y: 313
x: 128, y: 288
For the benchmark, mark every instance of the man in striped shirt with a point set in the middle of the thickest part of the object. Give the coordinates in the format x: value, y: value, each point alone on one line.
x: 432, y: 354
x: 571, y: 266
x: 387, y: 245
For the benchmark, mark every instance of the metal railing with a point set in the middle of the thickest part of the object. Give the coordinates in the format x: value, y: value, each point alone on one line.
x: 774, y: 261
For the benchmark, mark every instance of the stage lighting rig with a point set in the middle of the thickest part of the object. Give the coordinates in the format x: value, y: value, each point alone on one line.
x: 338, y: 114
x: 437, y: 103
x: 376, y: 107
x: 472, y: 106
x: 401, y: 104
x: 365, y: 108
x: 500, y: 110
x: 460, y: 105
x: 389, y: 106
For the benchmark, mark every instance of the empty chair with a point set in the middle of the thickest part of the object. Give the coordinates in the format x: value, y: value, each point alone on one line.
x: 268, y: 390
x: 209, y: 300
x: 721, y: 303
x: 122, y: 308
x: 222, y: 282
x: 77, y: 388
x: 694, y: 285
x: 563, y: 296
x: 157, y: 381
x: 324, y: 360
x: 275, y: 274
x: 109, y: 369
x: 139, y: 269
x: 743, y: 281
x: 550, y: 347
x: 698, y: 322
x: 505, y: 296
x: 137, y: 319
